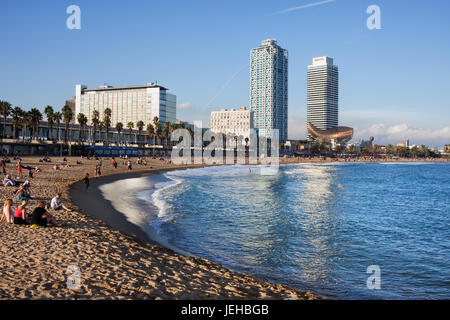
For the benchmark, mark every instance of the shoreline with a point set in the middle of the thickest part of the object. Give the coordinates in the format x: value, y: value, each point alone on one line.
x: 114, y: 264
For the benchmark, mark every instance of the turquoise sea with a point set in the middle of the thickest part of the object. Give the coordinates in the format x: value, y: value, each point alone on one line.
x: 315, y: 226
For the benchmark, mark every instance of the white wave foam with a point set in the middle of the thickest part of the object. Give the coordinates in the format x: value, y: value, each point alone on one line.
x: 164, y: 208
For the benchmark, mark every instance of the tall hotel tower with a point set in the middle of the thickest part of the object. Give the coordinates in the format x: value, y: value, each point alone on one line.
x: 269, y: 89
x: 323, y: 83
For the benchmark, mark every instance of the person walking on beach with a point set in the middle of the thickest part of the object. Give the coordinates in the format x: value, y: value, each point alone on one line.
x: 20, y: 215
x: 40, y: 217
x: 129, y: 165
x: 55, y: 204
x: 85, y: 181
x: 19, y: 169
x: 8, y: 212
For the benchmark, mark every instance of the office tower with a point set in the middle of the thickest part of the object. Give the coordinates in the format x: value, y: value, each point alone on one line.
x: 128, y: 104
x: 323, y: 82
x: 269, y: 89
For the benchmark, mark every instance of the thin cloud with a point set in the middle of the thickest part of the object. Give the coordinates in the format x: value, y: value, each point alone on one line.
x: 184, y: 106
x: 304, y: 6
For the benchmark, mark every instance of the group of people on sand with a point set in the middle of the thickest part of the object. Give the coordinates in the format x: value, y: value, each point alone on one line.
x: 38, y: 218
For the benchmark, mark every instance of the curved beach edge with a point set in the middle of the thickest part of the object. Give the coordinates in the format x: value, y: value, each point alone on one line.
x: 93, y: 204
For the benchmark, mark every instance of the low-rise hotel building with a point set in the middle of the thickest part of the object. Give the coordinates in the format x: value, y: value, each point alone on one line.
x: 237, y: 122
x: 128, y: 104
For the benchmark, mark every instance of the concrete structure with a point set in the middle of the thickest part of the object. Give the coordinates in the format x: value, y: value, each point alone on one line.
x: 269, y: 89
x: 128, y: 104
x: 72, y: 105
x: 323, y: 94
x: 237, y: 122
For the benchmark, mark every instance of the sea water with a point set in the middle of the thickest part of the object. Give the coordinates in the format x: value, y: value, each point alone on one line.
x: 314, y: 226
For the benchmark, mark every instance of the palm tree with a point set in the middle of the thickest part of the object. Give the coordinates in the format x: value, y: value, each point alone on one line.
x: 24, y: 120
x: 119, y: 128
x: 130, y: 126
x: 82, y: 120
x: 5, y: 110
x: 150, y: 132
x: 49, y: 114
x: 107, y: 121
x: 95, y: 123
x: 35, y: 118
x: 57, y: 117
x: 140, y: 125
x: 101, y: 124
x: 68, y: 116
x: 167, y: 131
x: 17, y: 113
x: 158, y: 129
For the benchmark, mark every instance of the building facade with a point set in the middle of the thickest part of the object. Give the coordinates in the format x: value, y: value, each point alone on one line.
x: 323, y: 94
x: 237, y: 122
x: 128, y: 104
x: 269, y: 89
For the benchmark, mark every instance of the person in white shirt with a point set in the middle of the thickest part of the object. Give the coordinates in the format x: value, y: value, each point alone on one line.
x: 8, y: 212
x: 56, y: 204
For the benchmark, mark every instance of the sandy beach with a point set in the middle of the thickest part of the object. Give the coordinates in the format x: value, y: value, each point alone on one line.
x: 114, y: 264
x: 116, y: 258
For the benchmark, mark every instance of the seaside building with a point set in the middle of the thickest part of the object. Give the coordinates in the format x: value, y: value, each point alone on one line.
x: 269, y: 89
x: 322, y: 105
x: 237, y: 122
x: 323, y: 93
x: 128, y: 104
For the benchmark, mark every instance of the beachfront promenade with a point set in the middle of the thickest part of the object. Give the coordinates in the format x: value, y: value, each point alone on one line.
x: 113, y: 265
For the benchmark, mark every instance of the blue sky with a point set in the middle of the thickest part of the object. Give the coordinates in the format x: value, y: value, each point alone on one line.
x: 394, y: 82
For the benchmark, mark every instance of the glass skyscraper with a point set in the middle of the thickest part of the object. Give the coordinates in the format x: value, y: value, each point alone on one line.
x: 269, y: 89
x: 323, y: 93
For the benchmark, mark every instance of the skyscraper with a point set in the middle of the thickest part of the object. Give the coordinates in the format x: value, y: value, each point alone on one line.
x: 269, y: 89
x: 323, y: 95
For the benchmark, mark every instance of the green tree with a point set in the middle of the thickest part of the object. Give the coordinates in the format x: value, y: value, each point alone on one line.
x: 95, y: 123
x: 49, y: 114
x: 68, y: 116
x: 119, y: 128
x: 82, y: 121
x: 57, y: 117
x: 17, y: 114
x: 107, y: 122
x: 150, y: 132
x: 5, y: 110
x: 140, y: 125
x: 130, y: 126
x: 158, y: 129
x: 35, y: 117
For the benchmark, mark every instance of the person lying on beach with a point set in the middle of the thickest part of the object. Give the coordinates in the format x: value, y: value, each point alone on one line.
x: 8, y: 212
x: 8, y: 181
x: 41, y: 218
x: 20, y: 215
x: 55, y: 204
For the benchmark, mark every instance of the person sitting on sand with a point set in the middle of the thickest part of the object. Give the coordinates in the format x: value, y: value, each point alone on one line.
x: 20, y: 215
x: 57, y: 205
x: 56, y: 167
x: 8, y: 181
x: 40, y: 218
x: 8, y: 212
x: 22, y: 193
